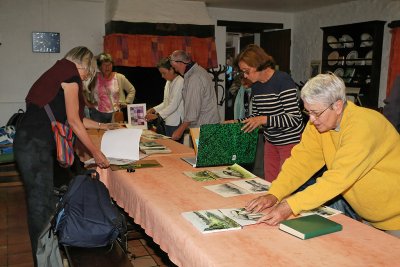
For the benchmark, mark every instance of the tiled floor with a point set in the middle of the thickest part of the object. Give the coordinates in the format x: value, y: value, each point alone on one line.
x: 15, y: 249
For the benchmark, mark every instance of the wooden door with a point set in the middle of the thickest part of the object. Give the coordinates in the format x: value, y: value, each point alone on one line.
x: 277, y: 44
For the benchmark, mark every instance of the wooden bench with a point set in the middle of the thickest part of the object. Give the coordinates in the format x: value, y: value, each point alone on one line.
x: 97, y: 257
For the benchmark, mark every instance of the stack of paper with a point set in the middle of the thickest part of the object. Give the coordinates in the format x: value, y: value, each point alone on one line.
x: 153, y: 148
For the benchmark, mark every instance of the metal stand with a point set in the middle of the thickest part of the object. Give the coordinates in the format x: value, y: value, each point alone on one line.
x: 216, y: 72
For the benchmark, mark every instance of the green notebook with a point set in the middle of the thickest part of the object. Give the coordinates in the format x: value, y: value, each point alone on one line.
x: 306, y: 227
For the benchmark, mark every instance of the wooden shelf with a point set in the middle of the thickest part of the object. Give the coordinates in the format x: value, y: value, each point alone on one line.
x: 365, y: 60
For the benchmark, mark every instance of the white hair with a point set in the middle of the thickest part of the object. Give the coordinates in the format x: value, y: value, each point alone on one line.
x: 324, y: 88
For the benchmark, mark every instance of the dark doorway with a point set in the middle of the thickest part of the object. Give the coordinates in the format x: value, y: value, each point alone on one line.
x: 277, y: 44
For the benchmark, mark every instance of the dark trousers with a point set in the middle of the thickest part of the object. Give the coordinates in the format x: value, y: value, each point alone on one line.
x: 169, y: 130
x: 100, y: 116
x: 35, y: 159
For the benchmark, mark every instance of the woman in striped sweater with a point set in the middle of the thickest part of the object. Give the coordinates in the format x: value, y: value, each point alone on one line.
x: 275, y: 108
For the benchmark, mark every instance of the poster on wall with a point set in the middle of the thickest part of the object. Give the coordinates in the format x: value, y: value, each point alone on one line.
x: 136, y: 116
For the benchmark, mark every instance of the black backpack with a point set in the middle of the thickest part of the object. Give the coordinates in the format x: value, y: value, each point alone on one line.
x: 16, y: 118
x: 86, y: 215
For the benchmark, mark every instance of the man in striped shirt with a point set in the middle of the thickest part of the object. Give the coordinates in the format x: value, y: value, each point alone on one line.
x: 275, y: 107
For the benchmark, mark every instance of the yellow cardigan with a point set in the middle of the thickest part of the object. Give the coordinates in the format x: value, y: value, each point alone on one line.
x: 363, y: 161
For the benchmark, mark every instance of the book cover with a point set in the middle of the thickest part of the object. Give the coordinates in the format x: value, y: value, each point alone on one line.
x: 156, y: 151
x: 234, y: 171
x: 310, y: 226
x: 217, y: 220
x: 137, y: 165
x: 210, y: 221
x: 255, y: 185
x: 242, y: 216
x: 150, y: 144
x: 323, y: 211
x: 240, y: 187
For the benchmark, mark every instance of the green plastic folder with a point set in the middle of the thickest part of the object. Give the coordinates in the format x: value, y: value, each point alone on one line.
x: 225, y: 144
x: 310, y: 226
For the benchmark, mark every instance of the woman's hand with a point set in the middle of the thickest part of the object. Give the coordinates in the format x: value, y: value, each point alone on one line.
x: 101, y: 160
x: 276, y: 214
x: 260, y: 203
x: 253, y: 123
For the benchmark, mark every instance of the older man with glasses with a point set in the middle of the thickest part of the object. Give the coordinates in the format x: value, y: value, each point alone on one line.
x: 199, y: 98
x: 361, y: 150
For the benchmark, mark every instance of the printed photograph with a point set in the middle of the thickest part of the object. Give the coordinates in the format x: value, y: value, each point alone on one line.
x: 136, y: 116
x: 234, y: 171
x: 256, y: 185
x: 242, y: 216
x: 323, y: 211
x: 208, y: 221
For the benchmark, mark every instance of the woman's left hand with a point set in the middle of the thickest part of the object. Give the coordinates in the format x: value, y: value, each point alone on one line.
x: 101, y: 160
x: 254, y: 122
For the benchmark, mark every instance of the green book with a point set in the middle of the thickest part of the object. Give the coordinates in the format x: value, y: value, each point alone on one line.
x: 306, y: 227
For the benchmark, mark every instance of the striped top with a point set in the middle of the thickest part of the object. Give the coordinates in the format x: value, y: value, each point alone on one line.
x: 278, y: 100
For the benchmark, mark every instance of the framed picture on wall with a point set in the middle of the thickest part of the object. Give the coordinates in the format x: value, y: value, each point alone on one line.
x: 136, y: 116
x: 315, y: 68
x: 46, y: 42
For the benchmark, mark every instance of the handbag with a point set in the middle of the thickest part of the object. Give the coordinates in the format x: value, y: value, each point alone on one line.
x: 64, y: 138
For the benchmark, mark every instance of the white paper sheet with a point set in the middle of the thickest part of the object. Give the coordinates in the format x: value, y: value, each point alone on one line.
x: 121, y: 143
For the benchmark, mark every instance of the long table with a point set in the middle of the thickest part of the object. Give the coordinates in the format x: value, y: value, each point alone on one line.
x: 156, y: 197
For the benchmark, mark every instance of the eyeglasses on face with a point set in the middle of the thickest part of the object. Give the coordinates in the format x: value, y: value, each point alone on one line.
x: 246, y: 72
x: 316, y: 115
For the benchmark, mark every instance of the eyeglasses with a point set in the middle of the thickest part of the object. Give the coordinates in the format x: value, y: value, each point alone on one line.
x: 316, y: 115
x: 246, y: 72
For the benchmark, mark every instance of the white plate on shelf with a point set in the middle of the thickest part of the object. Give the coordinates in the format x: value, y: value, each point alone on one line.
x: 333, y: 58
x: 332, y: 41
x: 348, y: 42
x: 339, y: 72
x: 350, y: 58
x: 366, y: 40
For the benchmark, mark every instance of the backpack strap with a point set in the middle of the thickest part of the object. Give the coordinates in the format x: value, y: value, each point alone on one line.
x: 49, y: 112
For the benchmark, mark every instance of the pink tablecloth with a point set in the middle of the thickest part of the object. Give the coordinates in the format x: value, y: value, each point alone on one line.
x: 156, y: 197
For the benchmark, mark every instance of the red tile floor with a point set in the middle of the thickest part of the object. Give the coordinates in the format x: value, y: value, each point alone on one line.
x: 15, y: 249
